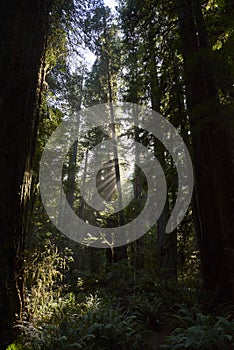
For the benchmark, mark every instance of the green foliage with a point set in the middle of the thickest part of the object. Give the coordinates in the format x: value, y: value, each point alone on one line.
x: 67, y: 322
x: 44, y: 274
x: 14, y: 347
x: 149, y: 308
x: 199, y: 331
x: 90, y: 325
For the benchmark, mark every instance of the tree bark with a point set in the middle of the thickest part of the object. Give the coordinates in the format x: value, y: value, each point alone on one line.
x: 213, y: 155
x: 23, y: 37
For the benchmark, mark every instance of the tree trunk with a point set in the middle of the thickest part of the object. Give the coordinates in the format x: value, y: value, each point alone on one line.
x: 213, y: 156
x: 119, y: 252
x: 167, y: 243
x: 72, y: 167
x: 23, y: 36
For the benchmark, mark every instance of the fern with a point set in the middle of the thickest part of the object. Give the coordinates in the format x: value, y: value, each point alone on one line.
x: 197, y: 331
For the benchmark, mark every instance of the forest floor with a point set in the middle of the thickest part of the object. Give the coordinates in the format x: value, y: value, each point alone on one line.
x: 158, y: 336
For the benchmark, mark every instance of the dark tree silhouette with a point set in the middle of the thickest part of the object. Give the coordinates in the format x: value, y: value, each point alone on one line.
x: 213, y: 153
x: 23, y: 37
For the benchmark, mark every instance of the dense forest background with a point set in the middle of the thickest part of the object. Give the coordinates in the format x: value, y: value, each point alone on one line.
x: 167, y: 291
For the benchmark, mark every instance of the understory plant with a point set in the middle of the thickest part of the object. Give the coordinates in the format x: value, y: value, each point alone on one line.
x: 199, y: 331
x: 90, y: 325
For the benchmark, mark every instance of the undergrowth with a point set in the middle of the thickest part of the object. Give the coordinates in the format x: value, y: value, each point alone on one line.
x: 113, y: 315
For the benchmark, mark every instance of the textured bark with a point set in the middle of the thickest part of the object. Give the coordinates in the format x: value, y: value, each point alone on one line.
x: 23, y: 34
x: 213, y: 155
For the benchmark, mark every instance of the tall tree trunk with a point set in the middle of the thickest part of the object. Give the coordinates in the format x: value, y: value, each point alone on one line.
x: 23, y: 36
x: 72, y: 167
x: 139, y: 244
x: 71, y: 177
x: 213, y: 154
x: 167, y: 243
x: 119, y: 252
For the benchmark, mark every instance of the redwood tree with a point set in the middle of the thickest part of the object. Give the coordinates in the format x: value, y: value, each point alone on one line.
x: 23, y: 38
x: 213, y: 140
